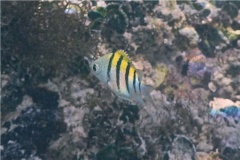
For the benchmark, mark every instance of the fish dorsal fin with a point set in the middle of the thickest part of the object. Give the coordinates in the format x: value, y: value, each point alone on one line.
x: 124, y: 54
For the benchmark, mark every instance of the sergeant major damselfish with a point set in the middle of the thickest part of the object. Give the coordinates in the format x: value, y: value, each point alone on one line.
x: 117, y: 72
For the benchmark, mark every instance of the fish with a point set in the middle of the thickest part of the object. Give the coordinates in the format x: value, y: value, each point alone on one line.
x: 194, y: 64
x: 232, y: 110
x: 225, y: 108
x: 196, y: 69
x: 228, y: 111
x: 220, y: 104
x: 116, y: 71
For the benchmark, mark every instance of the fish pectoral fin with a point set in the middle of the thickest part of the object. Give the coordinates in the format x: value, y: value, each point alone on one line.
x: 109, y: 84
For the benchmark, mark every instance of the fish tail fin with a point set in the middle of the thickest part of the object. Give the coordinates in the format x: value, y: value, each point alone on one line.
x: 146, y: 90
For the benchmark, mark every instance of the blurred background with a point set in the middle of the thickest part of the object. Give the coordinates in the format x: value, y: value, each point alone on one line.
x: 52, y: 107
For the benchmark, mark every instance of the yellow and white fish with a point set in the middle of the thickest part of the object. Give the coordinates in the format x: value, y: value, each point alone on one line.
x: 118, y: 73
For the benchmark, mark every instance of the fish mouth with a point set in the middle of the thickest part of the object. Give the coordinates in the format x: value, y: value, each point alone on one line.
x: 89, y: 60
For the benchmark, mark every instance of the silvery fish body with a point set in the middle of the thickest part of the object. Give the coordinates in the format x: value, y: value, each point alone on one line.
x: 117, y: 72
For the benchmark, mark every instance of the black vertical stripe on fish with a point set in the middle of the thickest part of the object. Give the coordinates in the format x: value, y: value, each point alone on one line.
x: 139, y: 85
x: 119, y: 62
x: 127, y: 76
x: 134, y: 81
x: 110, y: 66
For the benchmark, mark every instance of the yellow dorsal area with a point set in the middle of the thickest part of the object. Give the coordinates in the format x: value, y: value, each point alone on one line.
x: 124, y: 54
x: 124, y: 62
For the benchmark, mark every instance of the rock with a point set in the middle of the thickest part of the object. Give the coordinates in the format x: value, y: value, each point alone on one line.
x: 28, y: 135
x: 26, y: 102
x: 208, y: 156
x: 80, y: 95
x: 63, y: 103
x: 203, y: 156
x: 101, y: 3
x: 5, y: 79
x: 70, y: 11
x: 219, y: 103
x: 227, y: 139
x: 182, y: 148
x: 12, y: 95
x: 226, y: 81
x: 238, y: 43
x: 217, y: 76
x: 198, y: 120
x: 212, y: 87
x: 107, y: 153
x: 229, y: 89
x: 204, y: 146
x: 73, y: 117
x: 190, y: 33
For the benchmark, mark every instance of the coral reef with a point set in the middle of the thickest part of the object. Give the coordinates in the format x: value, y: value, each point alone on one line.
x: 37, y: 121
x: 54, y: 108
x: 29, y: 38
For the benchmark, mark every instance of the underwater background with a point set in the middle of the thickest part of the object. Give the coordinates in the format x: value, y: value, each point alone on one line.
x: 52, y: 107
